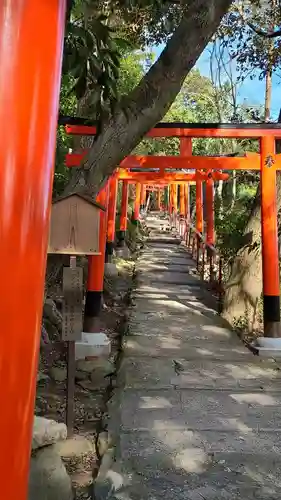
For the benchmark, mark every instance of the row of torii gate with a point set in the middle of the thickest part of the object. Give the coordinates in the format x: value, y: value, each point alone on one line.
x: 168, y: 171
x: 31, y: 50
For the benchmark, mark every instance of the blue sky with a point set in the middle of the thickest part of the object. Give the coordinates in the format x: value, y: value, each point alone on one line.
x: 252, y: 91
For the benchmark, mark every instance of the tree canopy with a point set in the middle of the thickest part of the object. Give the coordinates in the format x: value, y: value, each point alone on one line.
x: 252, y: 31
x: 123, y: 123
x: 109, y: 75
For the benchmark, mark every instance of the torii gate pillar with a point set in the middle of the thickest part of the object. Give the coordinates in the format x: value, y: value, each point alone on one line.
x: 31, y: 43
x: 269, y: 234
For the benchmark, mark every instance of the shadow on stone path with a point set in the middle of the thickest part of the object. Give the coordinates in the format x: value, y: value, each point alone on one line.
x: 205, y: 427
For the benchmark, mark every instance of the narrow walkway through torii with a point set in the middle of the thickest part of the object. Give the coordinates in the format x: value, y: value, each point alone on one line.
x: 209, y: 169
x: 195, y: 415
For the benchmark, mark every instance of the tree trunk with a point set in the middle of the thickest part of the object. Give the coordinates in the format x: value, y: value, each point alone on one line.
x: 233, y: 189
x: 219, y: 199
x: 244, y: 287
x: 150, y: 100
x: 268, y: 95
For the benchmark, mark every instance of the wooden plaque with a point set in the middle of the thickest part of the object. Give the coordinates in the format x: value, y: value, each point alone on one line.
x: 72, y: 323
x: 74, y: 227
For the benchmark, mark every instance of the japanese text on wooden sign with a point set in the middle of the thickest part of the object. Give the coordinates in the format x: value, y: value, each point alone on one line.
x: 72, y: 304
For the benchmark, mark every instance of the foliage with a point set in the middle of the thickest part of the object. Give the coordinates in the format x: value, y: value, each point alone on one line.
x: 230, y: 227
x: 241, y: 32
x: 197, y: 102
x: 132, y: 68
x: 97, y: 36
x: 68, y: 104
x: 92, y: 58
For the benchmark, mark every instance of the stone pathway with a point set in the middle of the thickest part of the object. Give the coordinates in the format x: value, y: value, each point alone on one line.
x: 196, y: 415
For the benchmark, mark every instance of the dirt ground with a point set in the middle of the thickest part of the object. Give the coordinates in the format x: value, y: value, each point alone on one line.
x: 91, y: 392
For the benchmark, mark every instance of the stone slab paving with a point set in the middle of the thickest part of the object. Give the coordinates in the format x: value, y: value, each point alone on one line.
x: 206, y: 427
x: 171, y: 268
x: 169, y: 277
x: 172, y: 259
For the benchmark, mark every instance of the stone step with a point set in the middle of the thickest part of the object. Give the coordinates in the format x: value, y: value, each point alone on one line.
x: 151, y: 293
x: 189, y: 451
x: 159, y: 324
x: 157, y: 251
x: 173, y: 250
x: 167, y: 277
x: 140, y: 372
x: 172, y: 268
x: 185, y: 465
x: 164, y: 240
x: 223, y: 411
x: 171, y: 347
x: 173, y: 307
x: 166, y: 289
x: 185, y: 261
x: 181, y: 291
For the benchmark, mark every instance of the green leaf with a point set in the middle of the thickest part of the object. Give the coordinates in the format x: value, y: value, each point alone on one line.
x: 80, y: 85
x: 77, y: 31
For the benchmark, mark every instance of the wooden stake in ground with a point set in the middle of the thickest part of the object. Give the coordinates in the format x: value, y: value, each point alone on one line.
x: 71, y: 330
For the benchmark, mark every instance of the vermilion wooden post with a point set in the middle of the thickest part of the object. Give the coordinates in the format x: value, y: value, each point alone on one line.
x: 96, y: 271
x: 158, y: 198
x: 199, y: 206
x: 199, y: 215
x: 112, y: 200
x: 182, y: 200
x: 124, y: 214
x: 210, y: 215
x: 31, y: 41
x: 269, y: 233
x: 175, y: 198
x: 186, y: 146
x: 136, y: 215
x: 164, y: 199
x: 174, y: 204
x: 143, y: 196
x: 170, y: 199
x: 186, y: 202
x: 186, y: 150
x: 182, y: 223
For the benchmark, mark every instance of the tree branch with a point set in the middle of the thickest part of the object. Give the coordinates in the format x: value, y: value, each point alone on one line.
x: 265, y: 34
x: 257, y: 30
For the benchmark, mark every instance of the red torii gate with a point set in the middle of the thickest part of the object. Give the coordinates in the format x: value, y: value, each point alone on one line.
x: 161, y: 175
x: 164, y: 177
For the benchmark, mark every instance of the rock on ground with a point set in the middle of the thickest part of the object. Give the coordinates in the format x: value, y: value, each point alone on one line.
x: 59, y: 374
x: 78, y: 445
x: 98, y: 365
x: 48, y: 479
x: 110, y: 270
x: 46, y: 432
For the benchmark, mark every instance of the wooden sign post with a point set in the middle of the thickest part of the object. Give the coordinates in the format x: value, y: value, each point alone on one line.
x: 71, y: 329
x: 70, y: 234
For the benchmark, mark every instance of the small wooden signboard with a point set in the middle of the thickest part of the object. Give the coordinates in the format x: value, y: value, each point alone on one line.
x: 72, y: 304
x: 72, y: 326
